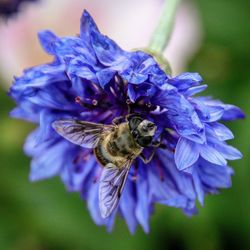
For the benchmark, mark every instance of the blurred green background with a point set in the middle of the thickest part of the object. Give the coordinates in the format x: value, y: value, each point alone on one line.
x: 42, y: 216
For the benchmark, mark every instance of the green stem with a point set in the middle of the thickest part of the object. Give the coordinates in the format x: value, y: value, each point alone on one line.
x: 163, y: 30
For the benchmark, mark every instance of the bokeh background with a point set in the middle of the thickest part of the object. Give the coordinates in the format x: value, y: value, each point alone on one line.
x: 210, y: 37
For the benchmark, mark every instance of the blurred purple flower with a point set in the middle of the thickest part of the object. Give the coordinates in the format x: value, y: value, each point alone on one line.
x: 9, y: 7
x: 93, y: 79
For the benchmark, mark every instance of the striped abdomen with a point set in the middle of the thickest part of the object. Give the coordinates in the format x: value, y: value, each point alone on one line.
x: 117, y: 147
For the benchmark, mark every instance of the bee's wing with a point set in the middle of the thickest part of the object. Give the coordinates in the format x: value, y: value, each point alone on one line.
x: 85, y: 134
x: 111, y: 186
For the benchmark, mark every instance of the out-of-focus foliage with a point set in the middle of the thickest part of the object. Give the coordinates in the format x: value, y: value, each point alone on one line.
x: 44, y: 216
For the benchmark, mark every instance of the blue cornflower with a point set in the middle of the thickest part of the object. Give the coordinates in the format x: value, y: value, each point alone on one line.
x: 10, y: 7
x: 92, y: 79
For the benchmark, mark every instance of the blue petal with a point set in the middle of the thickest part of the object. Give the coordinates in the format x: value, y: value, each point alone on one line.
x: 198, y: 185
x: 34, y: 146
x: 186, y: 80
x: 195, y: 90
x: 178, y: 201
x: 212, y: 155
x: 44, y: 134
x: 222, y: 132
x: 51, y: 98
x: 46, y: 118
x: 74, y: 174
x: 133, y: 77
x: 186, y: 153
x: 191, y: 210
x: 228, y: 152
x: 87, y: 25
x: 104, y: 76
x: 39, y: 77
x: 142, y: 211
x: 145, y: 90
x: 90, y: 191
x: 159, y: 189
x: 49, y: 163
x: 26, y: 111
x: 93, y: 201
x: 47, y: 39
x: 127, y: 206
x: 110, y: 222
x: 78, y: 67
x: 181, y: 115
x: 214, y: 113
x: 215, y: 176
x: 177, y: 181
x: 232, y: 113
x: 142, y: 67
x: 67, y: 48
x: 208, y: 113
x: 106, y: 50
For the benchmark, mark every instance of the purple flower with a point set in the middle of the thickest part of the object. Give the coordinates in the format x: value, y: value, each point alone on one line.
x: 9, y: 7
x: 93, y: 79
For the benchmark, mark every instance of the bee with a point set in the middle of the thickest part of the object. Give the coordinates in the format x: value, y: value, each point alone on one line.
x: 115, y: 146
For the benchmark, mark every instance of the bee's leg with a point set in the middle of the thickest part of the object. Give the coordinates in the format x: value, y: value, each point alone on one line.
x: 144, y: 159
x: 129, y: 115
x: 157, y: 144
x: 163, y: 146
x: 118, y: 120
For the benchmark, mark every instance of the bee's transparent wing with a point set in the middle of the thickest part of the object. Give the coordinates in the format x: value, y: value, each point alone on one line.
x: 111, y: 186
x: 85, y: 134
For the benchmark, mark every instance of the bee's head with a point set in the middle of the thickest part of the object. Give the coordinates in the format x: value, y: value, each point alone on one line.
x: 143, y: 131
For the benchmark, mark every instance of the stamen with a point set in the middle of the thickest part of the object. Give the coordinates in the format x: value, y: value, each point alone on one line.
x: 95, y: 87
x: 113, y: 92
x: 117, y: 79
x: 94, y: 102
x: 78, y: 100
x: 88, y: 102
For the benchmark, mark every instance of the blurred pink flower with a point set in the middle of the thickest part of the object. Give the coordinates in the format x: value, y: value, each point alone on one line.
x: 19, y: 47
